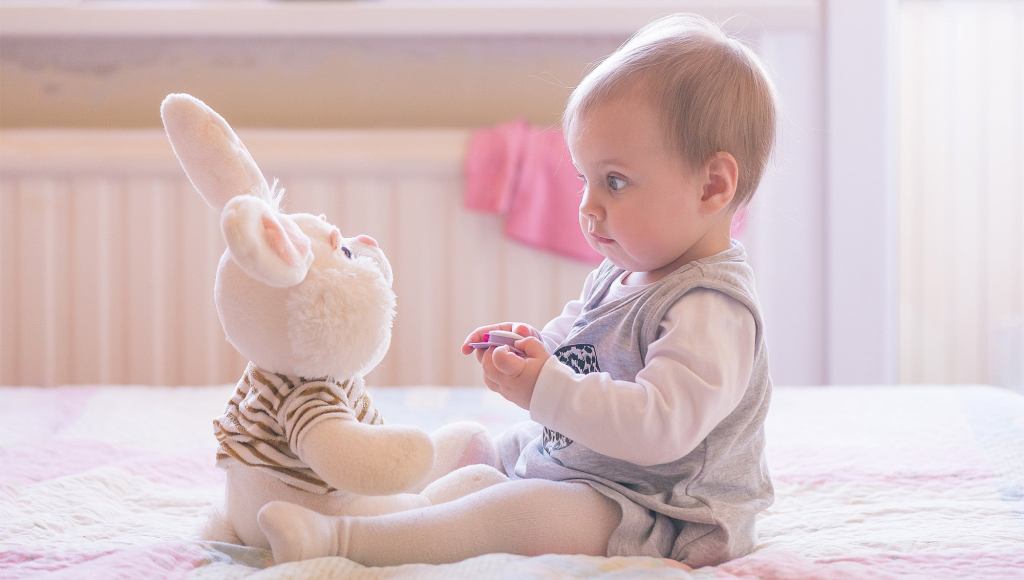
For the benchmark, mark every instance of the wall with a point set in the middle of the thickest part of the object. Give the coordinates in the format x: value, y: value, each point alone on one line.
x: 110, y: 77
x: 293, y: 82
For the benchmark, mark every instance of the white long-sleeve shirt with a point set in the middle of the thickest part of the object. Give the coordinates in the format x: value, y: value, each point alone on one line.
x: 694, y: 375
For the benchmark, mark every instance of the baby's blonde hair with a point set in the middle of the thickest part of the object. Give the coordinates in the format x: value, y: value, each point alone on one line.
x: 712, y: 91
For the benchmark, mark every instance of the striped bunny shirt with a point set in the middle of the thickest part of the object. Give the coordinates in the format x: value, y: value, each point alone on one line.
x: 270, y: 413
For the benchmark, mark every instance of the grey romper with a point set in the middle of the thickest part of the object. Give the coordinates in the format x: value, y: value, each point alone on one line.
x: 699, y: 509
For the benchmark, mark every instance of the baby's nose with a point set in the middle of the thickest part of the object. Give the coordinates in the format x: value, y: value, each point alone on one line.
x: 367, y: 240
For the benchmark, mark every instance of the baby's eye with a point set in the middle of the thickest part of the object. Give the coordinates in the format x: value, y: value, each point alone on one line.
x: 348, y: 252
x: 616, y: 183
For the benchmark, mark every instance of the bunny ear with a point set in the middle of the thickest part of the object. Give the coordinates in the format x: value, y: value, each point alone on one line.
x: 266, y: 244
x: 215, y: 160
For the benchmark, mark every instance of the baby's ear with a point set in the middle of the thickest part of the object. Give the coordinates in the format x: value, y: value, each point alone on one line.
x: 215, y: 160
x: 266, y: 244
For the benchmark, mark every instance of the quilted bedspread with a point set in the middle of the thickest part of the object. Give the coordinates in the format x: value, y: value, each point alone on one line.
x: 871, y: 482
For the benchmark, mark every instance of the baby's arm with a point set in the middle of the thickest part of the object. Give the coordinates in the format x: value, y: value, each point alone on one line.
x: 695, y: 374
x: 513, y: 372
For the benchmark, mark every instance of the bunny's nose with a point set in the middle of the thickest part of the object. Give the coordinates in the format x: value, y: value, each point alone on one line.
x: 367, y: 240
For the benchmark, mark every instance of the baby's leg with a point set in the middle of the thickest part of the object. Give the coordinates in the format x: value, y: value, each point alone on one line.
x: 527, y: 517
x: 374, y: 505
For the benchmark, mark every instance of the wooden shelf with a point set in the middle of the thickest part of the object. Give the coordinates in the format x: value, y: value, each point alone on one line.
x: 382, y: 18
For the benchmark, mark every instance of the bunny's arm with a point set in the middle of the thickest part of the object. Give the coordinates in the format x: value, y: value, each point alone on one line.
x: 366, y: 459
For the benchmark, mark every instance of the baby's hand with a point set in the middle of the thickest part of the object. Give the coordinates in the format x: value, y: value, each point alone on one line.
x: 512, y: 376
x: 478, y: 335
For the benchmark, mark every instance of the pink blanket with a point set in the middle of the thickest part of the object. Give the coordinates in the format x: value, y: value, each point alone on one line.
x: 882, y: 482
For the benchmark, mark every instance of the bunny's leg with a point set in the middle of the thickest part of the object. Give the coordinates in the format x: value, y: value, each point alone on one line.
x: 527, y: 517
x: 457, y: 445
x: 247, y: 489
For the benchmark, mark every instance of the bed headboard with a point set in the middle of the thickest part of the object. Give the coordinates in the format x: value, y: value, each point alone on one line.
x: 109, y: 255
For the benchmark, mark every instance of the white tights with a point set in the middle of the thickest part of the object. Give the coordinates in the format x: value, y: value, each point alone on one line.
x: 527, y: 517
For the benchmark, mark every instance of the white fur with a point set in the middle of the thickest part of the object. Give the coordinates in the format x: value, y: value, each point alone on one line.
x: 296, y: 297
x: 215, y: 160
x: 340, y: 321
x: 258, y: 250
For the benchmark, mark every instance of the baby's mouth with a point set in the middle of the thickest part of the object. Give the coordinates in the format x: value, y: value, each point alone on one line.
x: 601, y: 239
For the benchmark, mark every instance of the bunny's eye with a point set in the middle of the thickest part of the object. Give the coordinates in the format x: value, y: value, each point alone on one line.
x: 348, y: 252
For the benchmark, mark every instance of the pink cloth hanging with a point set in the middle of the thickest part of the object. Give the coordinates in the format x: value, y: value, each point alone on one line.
x: 491, y: 166
x: 526, y: 174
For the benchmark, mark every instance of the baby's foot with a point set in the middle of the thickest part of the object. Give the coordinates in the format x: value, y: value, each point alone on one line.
x: 479, y: 449
x: 296, y: 533
x: 462, y: 482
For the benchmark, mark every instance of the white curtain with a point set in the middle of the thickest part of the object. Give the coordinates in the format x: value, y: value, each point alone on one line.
x: 961, y: 191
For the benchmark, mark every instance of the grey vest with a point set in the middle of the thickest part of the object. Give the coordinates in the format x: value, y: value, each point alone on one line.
x: 699, y: 509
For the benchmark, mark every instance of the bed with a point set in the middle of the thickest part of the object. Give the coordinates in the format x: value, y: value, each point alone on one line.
x: 874, y: 482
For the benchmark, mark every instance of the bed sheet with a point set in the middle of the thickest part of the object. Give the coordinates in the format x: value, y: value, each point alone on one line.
x: 871, y: 482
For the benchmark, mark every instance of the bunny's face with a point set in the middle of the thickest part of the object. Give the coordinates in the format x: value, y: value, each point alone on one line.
x: 335, y: 322
x: 294, y: 296
x: 332, y: 250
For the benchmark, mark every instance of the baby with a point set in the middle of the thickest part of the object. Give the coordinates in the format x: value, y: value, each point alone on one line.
x: 652, y: 387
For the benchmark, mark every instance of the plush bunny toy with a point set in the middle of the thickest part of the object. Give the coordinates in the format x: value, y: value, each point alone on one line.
x: 312, y: 311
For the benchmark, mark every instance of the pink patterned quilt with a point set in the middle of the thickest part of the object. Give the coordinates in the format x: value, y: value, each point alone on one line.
x: 871, y: 482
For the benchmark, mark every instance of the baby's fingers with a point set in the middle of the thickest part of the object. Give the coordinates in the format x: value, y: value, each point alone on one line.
x: 478, y: 335
x: 532, y: 347
x: 492, y: 385
x: 508, y: 363
x: 525, y: 330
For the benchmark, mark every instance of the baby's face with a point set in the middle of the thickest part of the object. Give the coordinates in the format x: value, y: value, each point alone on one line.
x: 640, y: 204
